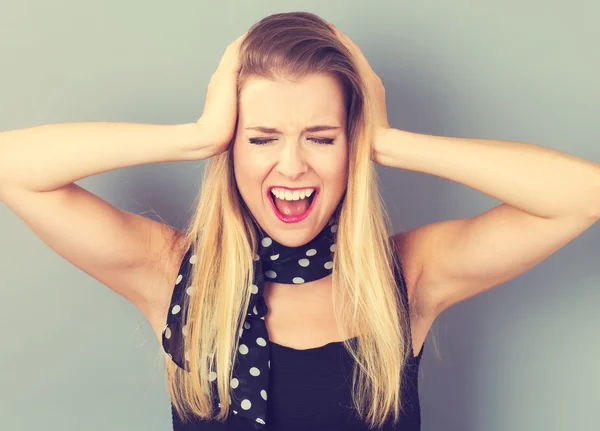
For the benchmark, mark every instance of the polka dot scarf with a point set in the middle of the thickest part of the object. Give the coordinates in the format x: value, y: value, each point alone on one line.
x: 272, y: 262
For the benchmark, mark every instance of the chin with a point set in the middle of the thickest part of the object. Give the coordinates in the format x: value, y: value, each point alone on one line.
x: 296, y: 237
x: 291, y: 236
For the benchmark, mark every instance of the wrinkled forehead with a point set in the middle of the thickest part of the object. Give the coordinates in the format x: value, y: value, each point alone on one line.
x: 291, y: 105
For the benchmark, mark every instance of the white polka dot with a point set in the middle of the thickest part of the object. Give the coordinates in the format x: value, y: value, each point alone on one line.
x: 235, y: 412
x: 193, y: 259
x: 263, y: 394
x: 254, y: 371
x: 241, y: 332
x: 212, y: 376
x: 176, y: 309
x: 169, y: 355
x: 254, y: 288
x: 271, y: 274
x: 269, y: 364
x: 261, y: 341
x: 179, y: 277
x: 304, y: 262
x: 266, y: 241
x: 246, y: 404
x: 189, y: 290
x: 334, y: 228
x: 234, y: 383
x: 246, y: 325
x: 256, y: 257
x: 297, y: 280
x: 243, y: 349
x: 263, y: 317
x: 311, y: 252
x: 184, y: 330
x: 275, y: 257
x: 333, y: 247
x: 260, y: 421
x: 254, y: 310
x: 328, y: 265
x: 167, y: 333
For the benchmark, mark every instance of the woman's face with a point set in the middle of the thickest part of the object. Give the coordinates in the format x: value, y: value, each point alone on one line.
x: 278, y: 145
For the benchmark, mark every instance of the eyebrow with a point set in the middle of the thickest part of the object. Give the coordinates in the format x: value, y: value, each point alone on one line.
x: 318, y: 128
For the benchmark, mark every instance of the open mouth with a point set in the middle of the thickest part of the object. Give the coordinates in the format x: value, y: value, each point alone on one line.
x: 292, y: 206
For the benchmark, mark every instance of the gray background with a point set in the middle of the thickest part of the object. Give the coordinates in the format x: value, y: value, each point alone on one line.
x: 523, y: 356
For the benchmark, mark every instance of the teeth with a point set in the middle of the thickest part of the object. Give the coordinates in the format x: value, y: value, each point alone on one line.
x: 289, y: 195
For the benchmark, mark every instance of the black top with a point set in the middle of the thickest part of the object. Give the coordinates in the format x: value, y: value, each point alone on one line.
x: 310, y: 390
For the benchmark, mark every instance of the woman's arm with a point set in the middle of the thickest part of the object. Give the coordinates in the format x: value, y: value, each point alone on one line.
x: 549, y: 199
x: 48, y: 157
x: 538, y: 180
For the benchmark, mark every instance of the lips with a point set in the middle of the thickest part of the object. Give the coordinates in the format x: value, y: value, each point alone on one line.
x: 289, y: 218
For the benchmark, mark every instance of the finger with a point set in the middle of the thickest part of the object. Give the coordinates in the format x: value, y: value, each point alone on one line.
x: 353, y: 47
x: 349, y: 43
x: 239, y: 40
x: 340, y: 35
x: 230, y: 59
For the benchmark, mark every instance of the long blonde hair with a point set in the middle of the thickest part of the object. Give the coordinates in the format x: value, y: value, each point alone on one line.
x: 367, y: 300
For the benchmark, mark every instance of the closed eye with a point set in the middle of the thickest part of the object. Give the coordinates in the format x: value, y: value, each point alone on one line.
x: 263, y: 141
x: 325, y: 141
x: 260, y: 141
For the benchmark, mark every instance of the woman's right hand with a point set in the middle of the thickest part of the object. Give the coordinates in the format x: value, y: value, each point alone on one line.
x: 219, y: 117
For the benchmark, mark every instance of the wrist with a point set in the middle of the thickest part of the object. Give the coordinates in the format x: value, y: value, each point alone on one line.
x: 209, y: 138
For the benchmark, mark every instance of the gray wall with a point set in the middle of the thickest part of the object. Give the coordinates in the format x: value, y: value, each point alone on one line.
x: 76, y: 356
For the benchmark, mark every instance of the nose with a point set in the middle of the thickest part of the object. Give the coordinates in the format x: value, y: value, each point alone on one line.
x: 292, y: 163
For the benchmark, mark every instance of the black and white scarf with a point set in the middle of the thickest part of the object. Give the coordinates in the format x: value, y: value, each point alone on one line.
x: 272, y: 262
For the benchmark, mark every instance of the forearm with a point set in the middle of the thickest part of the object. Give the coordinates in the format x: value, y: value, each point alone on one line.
x: 48, y: 157
x: 538, y: 180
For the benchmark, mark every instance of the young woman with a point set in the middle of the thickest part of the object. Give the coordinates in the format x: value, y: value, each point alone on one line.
x: 287, y: 303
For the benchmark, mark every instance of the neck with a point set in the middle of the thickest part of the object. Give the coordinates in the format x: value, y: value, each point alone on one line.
x: 314, y: 289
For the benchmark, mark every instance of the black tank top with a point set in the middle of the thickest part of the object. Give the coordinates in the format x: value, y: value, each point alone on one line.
x: 310, y: 389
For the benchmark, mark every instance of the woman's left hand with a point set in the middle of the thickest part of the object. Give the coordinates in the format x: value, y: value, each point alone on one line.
x: 375, y: 93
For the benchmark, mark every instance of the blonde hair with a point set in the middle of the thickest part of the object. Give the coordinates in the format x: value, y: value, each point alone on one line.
x: 367, y: 300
